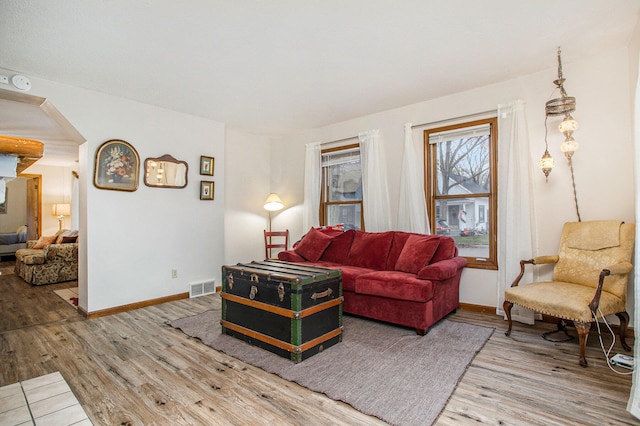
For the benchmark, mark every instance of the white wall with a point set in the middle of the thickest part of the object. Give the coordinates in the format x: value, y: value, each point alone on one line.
x: 603, y: 165
x: 130, y: 241
x: 247, y: 178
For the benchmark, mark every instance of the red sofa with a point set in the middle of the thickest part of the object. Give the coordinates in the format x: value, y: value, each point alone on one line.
x: 397, y: 277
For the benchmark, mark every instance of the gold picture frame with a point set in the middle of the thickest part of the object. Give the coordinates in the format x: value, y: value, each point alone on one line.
x: 207, y: 190
x: 117, y: 166
x: 207, y: 165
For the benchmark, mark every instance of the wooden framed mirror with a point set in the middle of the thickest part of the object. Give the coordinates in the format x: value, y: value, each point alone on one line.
x: 165, y: 172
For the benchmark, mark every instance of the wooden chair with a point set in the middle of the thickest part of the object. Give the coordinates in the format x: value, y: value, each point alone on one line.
x: 589, y: 278
x: 269, y: 244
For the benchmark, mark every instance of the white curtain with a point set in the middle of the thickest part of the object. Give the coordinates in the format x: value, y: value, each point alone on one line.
x: 375, y: 191
x: 633, y: 405
x: 412, y: 206
x: 516, y: 218
x: 312, y: 178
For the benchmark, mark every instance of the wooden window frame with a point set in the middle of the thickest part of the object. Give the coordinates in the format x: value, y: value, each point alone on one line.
x: 324, y: 190
x: 430, y: 183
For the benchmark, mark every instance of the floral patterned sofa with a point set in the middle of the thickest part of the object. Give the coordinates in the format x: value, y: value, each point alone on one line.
x: 49, y: 260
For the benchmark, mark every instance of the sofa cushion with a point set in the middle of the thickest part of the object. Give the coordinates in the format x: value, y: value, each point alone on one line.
x: 446, y: 249
x: 67, y: 237
x: 416, y: 253
x: 394, y: 285
x: 30, y: 256
x: 399, y: 239
x: 338, y: 249
x: 313, y: 245
x: 370, y: 249
x: 349, y: 276
x: 44, y: 241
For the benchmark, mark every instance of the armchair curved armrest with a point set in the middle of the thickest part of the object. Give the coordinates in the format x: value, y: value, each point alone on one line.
x: 540, y: 260
x: 543, y: 260
x: 621, y: 268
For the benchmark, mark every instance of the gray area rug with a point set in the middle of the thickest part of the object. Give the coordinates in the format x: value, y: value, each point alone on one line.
x: 379, y: 369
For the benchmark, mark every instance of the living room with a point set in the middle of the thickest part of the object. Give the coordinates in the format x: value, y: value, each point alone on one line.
x: 132, y: 241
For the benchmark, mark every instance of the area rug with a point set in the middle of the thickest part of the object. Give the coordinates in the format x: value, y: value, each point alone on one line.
x: 379, y: 369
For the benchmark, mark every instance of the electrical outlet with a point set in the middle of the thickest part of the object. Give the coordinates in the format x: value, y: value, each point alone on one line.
x: 4, y: 79
x: 174, y: 273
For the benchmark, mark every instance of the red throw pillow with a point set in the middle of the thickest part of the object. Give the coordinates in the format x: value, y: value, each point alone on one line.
x: 313, y: 245
x: 416, y: 253
x: 370, y: 249
x: 338, y: 250
x: 45, y: 241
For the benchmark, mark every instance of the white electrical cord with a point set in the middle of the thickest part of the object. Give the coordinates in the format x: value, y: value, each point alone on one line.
x: 607, y: 352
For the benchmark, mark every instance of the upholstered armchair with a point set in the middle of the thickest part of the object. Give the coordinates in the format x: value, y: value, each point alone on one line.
x: 49, y: 260
x: 589, y: 278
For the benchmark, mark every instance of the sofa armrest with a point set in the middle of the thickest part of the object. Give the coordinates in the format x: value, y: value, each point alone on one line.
x: 31, y: 243
x: 63, y: 252
x: 442, y: 270
x: 290, y: 256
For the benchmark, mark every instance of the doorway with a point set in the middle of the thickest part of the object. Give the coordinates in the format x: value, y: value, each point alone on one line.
x: 34, y: 205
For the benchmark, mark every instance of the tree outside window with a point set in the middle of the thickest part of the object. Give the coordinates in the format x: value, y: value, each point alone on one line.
x: 461, y: 186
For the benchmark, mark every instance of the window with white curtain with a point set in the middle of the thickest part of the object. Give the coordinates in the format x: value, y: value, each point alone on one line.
x: 341, y: 192
x: 461, y: 187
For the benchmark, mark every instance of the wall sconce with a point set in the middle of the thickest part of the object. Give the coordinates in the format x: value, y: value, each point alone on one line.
x: 272, y: 204
x: 60, y: 211
x: 564, y: 105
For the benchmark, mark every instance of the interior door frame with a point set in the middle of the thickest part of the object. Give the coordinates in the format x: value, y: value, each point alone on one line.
x: 38, y: 179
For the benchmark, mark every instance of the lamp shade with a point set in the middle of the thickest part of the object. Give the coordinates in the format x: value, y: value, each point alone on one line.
x: 273, y: 202
x: 62, y: 209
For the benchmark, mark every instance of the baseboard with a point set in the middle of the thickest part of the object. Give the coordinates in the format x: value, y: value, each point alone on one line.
x: 478, y: 308
x: 545, y: 318
x: 131, y: 306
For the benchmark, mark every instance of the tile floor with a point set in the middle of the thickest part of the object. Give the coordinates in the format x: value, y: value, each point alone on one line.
x: 44, y: 400
x: 67, y: 294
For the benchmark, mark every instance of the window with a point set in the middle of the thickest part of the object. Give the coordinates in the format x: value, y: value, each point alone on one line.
x: 341, y: 193
x: 461, y: 185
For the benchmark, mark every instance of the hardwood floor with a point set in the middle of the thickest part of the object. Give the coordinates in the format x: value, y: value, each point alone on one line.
x: 133, y: 369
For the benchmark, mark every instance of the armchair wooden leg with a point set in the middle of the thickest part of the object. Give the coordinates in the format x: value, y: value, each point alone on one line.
x: 624, y: 322
x: 583, y: 333
x: 507, y: 310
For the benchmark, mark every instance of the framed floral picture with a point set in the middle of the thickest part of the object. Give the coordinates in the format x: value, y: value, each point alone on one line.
x: 117, y: 166
x: 206, y: 165
x: 206, y: 190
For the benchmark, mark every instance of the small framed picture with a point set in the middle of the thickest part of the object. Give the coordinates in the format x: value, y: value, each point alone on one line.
x: 206, y: 165
x: 206, y: 190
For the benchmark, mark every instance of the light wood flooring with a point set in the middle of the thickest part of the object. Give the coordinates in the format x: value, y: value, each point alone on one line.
x: 133, y: 369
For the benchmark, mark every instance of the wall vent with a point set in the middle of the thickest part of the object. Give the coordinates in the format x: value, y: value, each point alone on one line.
x: 202, y: 288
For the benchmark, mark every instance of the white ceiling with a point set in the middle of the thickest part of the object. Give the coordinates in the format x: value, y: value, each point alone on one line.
x: 278, y: 66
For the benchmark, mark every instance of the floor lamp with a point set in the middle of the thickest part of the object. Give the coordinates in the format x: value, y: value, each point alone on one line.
x: 272, y: 204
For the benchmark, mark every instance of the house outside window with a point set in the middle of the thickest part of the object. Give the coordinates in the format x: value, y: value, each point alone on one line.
x: 341, y: 193
x: 461, y: 187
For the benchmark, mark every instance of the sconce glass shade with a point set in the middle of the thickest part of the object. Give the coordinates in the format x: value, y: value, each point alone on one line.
x: 63, y: 209
x: 569, y: 146
x: 568, y: 124
x: 546, y: 163
x: 273, y: 203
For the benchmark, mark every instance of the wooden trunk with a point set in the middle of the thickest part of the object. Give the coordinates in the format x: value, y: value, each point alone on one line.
x: 294, y: 311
